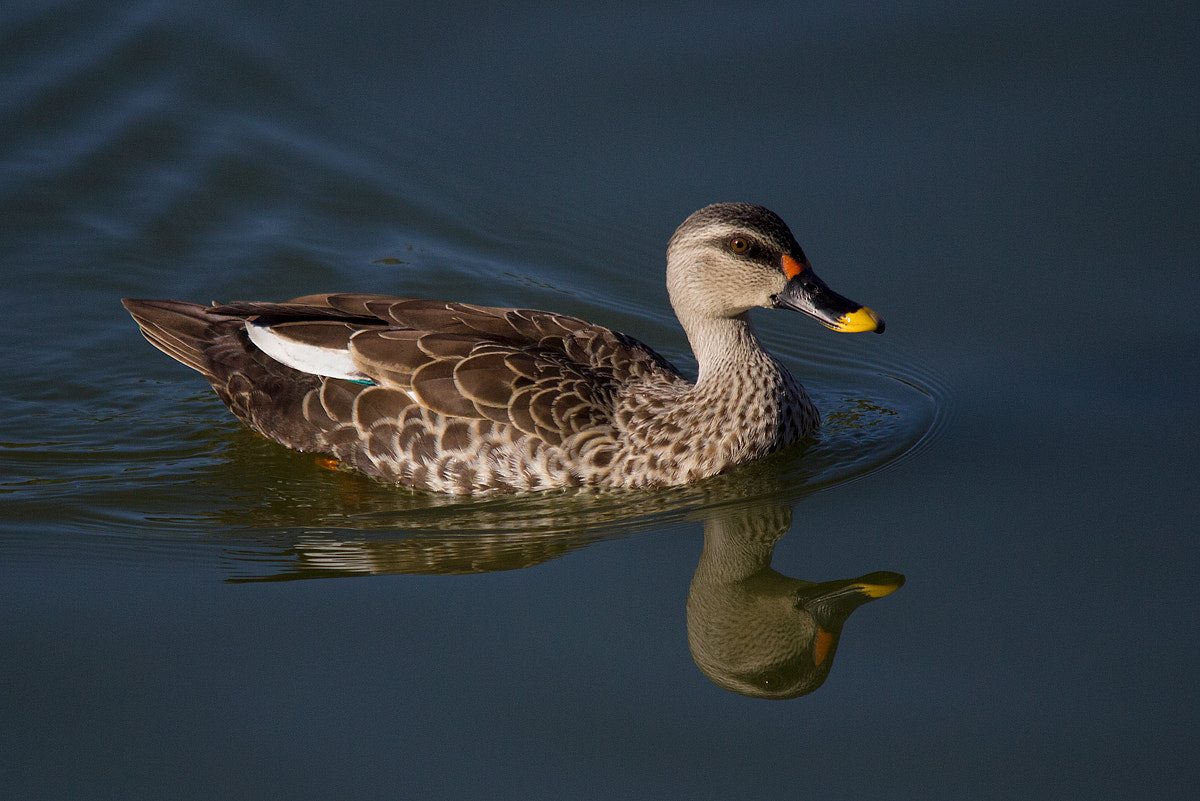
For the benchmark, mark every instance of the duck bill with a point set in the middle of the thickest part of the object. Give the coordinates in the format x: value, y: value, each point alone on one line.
x: 831, y: 602
x: 808, y: 294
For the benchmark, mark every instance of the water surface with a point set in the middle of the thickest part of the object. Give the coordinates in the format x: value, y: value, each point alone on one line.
x: 189, y: 610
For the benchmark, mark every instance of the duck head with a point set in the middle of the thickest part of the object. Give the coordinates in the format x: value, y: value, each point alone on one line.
x: 728, y: 258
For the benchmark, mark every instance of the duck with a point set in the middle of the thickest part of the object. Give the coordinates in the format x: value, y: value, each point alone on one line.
x: 450, y: 397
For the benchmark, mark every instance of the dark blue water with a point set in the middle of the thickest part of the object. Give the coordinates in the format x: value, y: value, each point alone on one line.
x: 187, y: 610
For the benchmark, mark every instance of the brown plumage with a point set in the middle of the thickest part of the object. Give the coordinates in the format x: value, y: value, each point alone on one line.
x: 452, y: 397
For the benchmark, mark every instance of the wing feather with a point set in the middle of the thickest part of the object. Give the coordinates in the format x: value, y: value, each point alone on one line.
x: 548, y: 375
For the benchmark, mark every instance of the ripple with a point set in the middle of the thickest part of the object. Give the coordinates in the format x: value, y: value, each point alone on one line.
x: 188, y: 476
x: 882, y: 411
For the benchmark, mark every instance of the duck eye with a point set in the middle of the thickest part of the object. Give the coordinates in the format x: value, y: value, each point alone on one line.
x: 739, y: 244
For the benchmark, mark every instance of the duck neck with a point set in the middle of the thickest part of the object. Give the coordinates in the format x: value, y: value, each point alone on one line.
x: 724, y: 347
x: 738, y: 545
x: 753, y: 402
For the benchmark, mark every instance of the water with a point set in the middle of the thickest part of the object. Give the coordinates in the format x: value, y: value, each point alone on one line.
x: 187, y: 610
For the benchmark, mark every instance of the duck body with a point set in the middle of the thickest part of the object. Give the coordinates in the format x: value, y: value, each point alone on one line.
x: 451, y: 397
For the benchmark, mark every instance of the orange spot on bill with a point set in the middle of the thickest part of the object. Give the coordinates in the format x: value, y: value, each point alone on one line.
x: 791, y: 267
x: 328, y: 462
x: 822, y: 646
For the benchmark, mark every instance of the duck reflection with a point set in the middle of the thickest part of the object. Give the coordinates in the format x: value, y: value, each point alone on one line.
x: 751, y: 630
x: 755, y: 631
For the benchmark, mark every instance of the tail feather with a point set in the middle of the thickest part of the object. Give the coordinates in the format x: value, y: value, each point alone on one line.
x: 264, y: 394
x: 179, y: 329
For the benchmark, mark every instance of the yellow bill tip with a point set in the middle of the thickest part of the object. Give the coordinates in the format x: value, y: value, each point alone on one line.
x: 857, y: 321
x: 878, y: 589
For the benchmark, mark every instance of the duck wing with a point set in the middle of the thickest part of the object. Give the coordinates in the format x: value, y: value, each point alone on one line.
x: 548, y: 375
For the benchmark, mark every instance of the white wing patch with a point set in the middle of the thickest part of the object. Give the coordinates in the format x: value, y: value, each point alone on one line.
x: 313, y: 359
